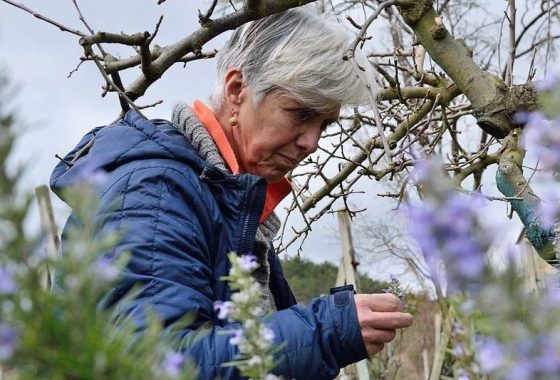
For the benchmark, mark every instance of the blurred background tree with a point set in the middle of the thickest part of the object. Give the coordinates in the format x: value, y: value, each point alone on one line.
x: 14, y: 206
x: 309, y: 280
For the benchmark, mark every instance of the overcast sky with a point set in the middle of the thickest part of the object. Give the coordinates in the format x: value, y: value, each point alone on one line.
x: 57, y: 111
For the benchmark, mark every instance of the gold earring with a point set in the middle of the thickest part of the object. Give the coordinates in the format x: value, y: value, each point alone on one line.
x: 233, y: 120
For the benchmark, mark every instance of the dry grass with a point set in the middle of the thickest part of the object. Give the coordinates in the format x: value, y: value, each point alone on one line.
x: 402, y: 359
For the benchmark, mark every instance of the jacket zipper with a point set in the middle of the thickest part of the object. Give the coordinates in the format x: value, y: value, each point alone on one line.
x: 254, y: 202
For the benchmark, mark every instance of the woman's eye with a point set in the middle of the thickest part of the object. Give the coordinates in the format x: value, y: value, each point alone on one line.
x: 305, y: 114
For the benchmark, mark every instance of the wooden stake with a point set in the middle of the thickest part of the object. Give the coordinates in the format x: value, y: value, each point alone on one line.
x: 347, y: 276
x: 48, y: 227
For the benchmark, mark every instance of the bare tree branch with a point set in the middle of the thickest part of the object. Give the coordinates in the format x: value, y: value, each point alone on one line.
x: 114, y: 76
x: 195, y: 41
x: 46, y: 19
x: 361, y: 156
x: 204, y: 19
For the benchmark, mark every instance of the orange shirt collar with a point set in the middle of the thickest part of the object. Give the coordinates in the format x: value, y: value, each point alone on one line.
x: 275, y: 191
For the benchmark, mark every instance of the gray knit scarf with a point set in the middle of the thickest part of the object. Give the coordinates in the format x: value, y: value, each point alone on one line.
x: 190, y: 126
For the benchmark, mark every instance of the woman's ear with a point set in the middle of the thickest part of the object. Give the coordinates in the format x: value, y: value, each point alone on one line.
x: 233, y: 88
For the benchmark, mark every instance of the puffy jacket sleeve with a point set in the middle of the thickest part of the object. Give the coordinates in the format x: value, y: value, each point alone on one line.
x: 165, y: 222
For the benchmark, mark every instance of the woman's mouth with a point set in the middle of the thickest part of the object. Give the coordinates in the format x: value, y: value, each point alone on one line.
x: 290, y: 162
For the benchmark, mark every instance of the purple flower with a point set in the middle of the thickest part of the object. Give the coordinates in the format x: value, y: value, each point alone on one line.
x: 468, y: 260
x: 8, y: 338
x: 224, y: 309
x: 529, y: 118
x: 429, y: 171
x: 41, y: 250
x: 549, y: 209
x: 458, y: 350
x: 7, y: 284
x: 536, y: 358
x: 105, y: 269
x: 266, y: 334
x: 248, y: 262
x: 491, y: 355
x: 542, y: 140
x: 91, y: 172
x: 422, y: 222
x: 549, y: 83
x: 521, y: 370
x: 449, y: 232
x: 172, y: 363
x: 423, y: 170
x: 538, y: 122
x: 548, y: 364
x: 457, y: 328
x: 236, y: 338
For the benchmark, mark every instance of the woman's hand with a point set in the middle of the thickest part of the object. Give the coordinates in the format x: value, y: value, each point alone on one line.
x: 379, y: 316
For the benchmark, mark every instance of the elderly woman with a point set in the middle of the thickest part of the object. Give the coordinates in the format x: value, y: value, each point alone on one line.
x: 184, y: 194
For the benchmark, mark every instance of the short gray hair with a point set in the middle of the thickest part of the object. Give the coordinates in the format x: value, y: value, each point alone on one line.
x: 298, y: 53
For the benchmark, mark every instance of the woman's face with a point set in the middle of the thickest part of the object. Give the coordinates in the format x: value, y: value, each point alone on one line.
x: 273, y: 138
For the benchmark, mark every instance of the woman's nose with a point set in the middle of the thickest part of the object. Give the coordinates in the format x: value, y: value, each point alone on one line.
x: 308, y: 140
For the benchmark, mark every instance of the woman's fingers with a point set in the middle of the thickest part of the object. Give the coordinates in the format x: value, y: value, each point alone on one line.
x: 387, y: 320
x: 379, y: 316
x: 373, y: 349
x: 373, y: 336
x: 379, y: 302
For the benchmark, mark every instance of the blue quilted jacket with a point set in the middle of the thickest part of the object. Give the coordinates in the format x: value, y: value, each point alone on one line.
x: 179, y: 217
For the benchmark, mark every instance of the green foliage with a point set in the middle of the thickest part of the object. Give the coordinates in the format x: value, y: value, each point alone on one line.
x: 253, y: 338
x: 62, y: 335
x: 309, y: 280
x: 12, y: 209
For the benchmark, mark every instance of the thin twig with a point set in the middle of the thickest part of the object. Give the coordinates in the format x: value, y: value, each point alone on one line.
x: 76, y: 69
x: 48, y: 20
x: 154, y: 34
x: 489, y: 197
x: 82, y: 19
x: 353, y: 23
x: 359, y: 72
x: 116, y: 79
x: 548, y: 37
x: 110, y: 82
x: 511, y: 55
x: 204, y: 19
x: 150, y: 105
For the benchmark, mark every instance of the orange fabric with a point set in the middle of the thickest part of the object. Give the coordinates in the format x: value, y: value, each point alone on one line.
x: 206, y: 116
x: 274, y: 195
x: 275, y: 192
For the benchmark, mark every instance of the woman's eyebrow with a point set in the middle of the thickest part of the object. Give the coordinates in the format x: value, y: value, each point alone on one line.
x: 297, y: 107
x: 308, y: 112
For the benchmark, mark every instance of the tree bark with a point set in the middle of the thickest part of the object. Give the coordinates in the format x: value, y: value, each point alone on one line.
x: 512, y: 183
x: 492, y: 101
x: 493, y: 105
